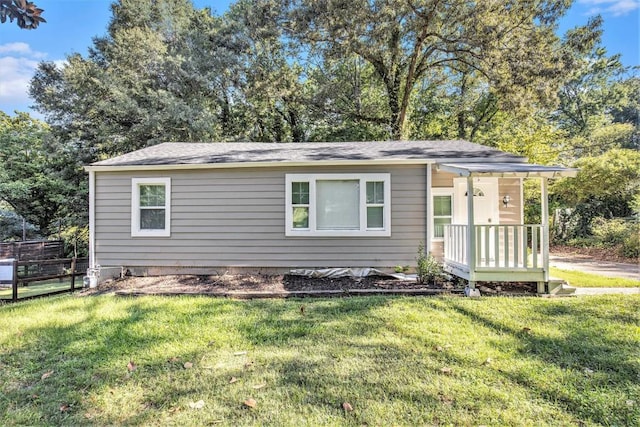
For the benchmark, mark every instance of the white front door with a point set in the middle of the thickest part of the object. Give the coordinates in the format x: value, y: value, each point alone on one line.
x: 485, y: 201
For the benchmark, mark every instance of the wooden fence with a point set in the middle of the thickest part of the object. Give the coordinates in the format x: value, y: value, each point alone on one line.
x: 27, y: 274
x: 31, y: 250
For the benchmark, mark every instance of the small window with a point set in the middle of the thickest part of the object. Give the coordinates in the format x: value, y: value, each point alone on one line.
x: 300, y: 205
x: 151, y: 207
x: 442, y: 212
x: 338, y: 205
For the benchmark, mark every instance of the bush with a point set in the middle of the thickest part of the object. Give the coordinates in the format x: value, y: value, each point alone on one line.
x: 611, y: 232
x: 630, y: 247
x: 428, y: 268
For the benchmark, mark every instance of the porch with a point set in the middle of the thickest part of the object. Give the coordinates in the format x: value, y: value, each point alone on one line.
x: 514, y: 252
x: 496, y: 251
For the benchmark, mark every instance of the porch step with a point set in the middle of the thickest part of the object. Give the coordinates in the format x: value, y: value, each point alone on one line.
x: 560, y: 287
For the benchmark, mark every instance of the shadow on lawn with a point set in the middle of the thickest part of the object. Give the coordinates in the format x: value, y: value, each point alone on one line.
x: 90, y: 357
x: 579, y: 352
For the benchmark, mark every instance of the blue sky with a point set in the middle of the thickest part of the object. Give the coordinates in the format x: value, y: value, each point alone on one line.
x: 72, y: 24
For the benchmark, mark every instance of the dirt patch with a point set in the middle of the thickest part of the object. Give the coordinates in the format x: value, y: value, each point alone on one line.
x: 279, y: 284
x: 598, y: 254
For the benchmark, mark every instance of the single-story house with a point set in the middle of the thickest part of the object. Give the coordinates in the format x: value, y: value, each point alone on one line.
x: 198, y: 208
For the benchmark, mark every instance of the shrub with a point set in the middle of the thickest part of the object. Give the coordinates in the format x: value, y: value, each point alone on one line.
x: 428, y: 268
x: 611, y: 232
x: 630, y: 247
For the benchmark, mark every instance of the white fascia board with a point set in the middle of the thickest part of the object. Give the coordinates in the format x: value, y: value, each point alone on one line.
x: 281, y: 164
x: 257, y: 165
x: 465, y: 172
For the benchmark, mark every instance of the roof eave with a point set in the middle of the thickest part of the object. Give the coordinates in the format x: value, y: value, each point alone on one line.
x: 315, y: 163
x: 559, y: 172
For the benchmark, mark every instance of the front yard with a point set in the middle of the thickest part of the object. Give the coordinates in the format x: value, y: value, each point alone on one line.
x: 106, y: 360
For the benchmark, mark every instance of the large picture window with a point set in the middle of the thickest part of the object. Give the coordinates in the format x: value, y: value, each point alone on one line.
x: 151, y: 207
x: 338, y: 204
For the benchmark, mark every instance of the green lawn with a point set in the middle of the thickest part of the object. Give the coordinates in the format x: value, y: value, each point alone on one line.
x: 396, y: 361
x: 579, y: 279
x: 39, y: 288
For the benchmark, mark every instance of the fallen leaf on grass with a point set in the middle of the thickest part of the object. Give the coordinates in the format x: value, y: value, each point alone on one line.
x: 46, y: 375
x: 65, y: 407
x: 259, y: 386
x: 197, y: 405
x: 526, y: 330
x: 250, y: 403
x: 131, y: 366
x: 232, y: 380
x: 446, y: 370
x: 239, y: 353
x: 188, y: 365
x: 347, y: 407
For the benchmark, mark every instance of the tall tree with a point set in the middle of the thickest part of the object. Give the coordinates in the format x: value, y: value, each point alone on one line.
x: 141, y: 84
x: 511, y: 44
x: 27, y: 181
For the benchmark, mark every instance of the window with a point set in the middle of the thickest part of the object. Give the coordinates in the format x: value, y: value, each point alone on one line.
x: 150, y: 207
x: 442, y: 211
x: 338, y: 205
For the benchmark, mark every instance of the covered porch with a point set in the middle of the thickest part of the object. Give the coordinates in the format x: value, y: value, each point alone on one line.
x: 490, y: 252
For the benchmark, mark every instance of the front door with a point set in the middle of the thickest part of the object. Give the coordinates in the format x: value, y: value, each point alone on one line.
x: 485, y: 201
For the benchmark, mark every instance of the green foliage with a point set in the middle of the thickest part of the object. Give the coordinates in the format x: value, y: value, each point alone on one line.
x: 428, y: 268
x: 29, y: 179
x: 11, y: 225
x: 611, y: 232
x: 605, y: 185
x: 630, y: 246
x: 405, y: 41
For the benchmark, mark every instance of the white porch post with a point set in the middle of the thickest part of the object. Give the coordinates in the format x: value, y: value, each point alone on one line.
x: 471, y: 235
x: 428, y: 209
x: 544, y: 206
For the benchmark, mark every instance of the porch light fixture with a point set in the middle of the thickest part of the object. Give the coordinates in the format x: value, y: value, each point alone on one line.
x: 505, y: 200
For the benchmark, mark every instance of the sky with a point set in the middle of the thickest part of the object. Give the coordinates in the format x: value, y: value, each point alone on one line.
x: 72, y: 24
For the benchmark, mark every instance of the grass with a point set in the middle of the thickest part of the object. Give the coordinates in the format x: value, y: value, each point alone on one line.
x: 587, y: 280
x: 40, y: 288
x: 64, y: 361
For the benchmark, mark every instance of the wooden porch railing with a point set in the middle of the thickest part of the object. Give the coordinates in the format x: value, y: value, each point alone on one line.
x: 513, y: 246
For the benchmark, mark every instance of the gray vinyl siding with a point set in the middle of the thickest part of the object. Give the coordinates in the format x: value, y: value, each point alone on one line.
x: 236, y: 218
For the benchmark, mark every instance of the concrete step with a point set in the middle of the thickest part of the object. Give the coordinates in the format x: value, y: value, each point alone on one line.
x: 560, y: 287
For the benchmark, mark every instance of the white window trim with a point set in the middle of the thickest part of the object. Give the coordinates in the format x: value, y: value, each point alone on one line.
x: 135, y: 207
x: 363, y: 231
x: 440, y: 191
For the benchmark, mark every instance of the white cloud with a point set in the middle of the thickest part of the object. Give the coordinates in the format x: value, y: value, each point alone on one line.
x: 15, y: 77
x: 22, y: 49
x: 613, y: 7
x: 18, y: 63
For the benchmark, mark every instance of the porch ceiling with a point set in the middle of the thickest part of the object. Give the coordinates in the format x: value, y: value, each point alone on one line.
x: 519, y: 170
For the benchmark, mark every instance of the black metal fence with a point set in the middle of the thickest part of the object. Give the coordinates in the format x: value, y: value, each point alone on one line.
x: 29, y: 279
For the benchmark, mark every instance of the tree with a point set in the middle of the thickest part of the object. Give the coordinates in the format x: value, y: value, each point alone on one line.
x: 27, y: 181
x: 25, y: 13
x: 145, y: 82
x: 511, y: 45
x: 606, y: 186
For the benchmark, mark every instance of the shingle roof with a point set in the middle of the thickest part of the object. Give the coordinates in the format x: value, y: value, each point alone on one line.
x: 182, y: 153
